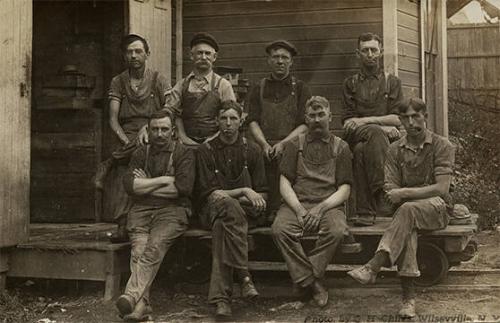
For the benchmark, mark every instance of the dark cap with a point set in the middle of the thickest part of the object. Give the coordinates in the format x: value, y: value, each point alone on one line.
x: 281, y: 43
x: 204, y: 38
x: 130, y: 38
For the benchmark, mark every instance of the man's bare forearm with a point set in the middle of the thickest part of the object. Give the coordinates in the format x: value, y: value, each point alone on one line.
x: 258, y: 134
x: 143, y: 186
x: 336, y: 199
x: 289, y: 196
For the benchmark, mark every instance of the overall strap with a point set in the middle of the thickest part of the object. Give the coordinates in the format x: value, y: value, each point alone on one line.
x: 215, y: 85
x: 170, y: 165
x: 212, y: 154
x: 302, y: 139
x: 294, y: 86
x: 147, y: 158
x: 261, y: 92
x: 386, y: 79
x: 185, y: 85
x: 245, y: 152
x: 336, y: 145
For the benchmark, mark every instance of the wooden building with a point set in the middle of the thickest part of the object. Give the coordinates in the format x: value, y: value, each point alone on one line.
x: 59, y: 57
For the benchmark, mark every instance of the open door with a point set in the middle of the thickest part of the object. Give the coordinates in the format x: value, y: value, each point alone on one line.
x: 152, y: 19
x: 15, y: 94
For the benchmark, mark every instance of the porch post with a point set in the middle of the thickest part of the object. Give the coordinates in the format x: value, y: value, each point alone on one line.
x: 441, y: 111
x: 390, y: 36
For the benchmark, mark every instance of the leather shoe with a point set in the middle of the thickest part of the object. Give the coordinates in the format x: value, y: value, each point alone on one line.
x: 223, y: 311
x: 364, y: 275
x: 408, y: 309
x: 320, y: 294
x: 125, y: 304
x: 248, y: 289
x: 141, y: 312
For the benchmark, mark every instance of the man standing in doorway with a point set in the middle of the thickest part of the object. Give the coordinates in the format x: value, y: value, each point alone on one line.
x: 159, y: 180
x: 370, y: 122
x: 316, y: 177
x: 418, y: 172
x: 233, y: 185
x: 276, y: 113
x: 134, y: 95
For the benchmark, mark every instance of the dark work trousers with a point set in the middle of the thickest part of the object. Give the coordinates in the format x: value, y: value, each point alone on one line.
x: 152, y: 231
x: 273, y: 184
x: 400, y: 238
x: 369, y: 144
x: 304, y: 269
x: 227, y: 220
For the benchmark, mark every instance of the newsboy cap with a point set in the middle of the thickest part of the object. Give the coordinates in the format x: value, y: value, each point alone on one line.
x: 204, y: 38
x: 281, y: 43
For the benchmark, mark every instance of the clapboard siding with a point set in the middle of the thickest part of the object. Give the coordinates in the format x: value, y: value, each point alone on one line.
x: 409, y: 46
x: 324, y: 32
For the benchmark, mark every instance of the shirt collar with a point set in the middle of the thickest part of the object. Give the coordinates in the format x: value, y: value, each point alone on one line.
x: 363, y: 75
x: 326, y: 139
x: 285, y: 80
x: 219, y: 144
x: 427, y: 140
x: 155, y: 149
x: 207, y: 78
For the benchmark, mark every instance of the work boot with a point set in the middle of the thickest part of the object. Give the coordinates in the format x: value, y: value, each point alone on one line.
x: 125, y: 304
x: 223, y: 311
x: 248, y: 289
x: 142, y: 312
x: 320, y: 293
x: 364, y: 220
x: 408, y: 309
x: 364, y: 275
x: 101, y: 173
x: 121, y: 234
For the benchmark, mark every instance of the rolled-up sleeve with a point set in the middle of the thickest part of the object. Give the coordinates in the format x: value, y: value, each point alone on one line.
x: 343, y: 167
x: 304, y: 95
x: 163, y: 86
x: 392, y: 170
x: 395, y: 94
x: 226, y: 91
x: 288, y: 162
x: 444, y: 157
x: 348, y: 100
x: 137, y: 161
x: 184, y: 170
x: 173, y: 99
x: 115, y: 89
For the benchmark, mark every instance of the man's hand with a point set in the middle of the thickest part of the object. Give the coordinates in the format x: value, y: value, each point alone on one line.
x: 353, y: 123
x: 301, y: 214
x: 140, y: 173
x: 143, y: 136
x: 167, y: 180
x: 268, y: 151
x: 258, y: 202
x: 396, y: 196
x: 312, y: 219
x: 391, y: 132
x: 278, y: 150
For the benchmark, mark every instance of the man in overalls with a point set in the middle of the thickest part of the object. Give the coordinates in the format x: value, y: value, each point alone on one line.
x: 134, y: 95
x: 276, y: 113
x: 196, y: 99
x: 233, y: 185
x: 418, y: 172
x: 370, y: 121
x: 315, y: 182
x: 159, y: 180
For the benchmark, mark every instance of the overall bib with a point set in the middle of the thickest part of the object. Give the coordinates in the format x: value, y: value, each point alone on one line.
x: 277, y: 121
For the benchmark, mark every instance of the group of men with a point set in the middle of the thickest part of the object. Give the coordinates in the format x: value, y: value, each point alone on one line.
x: 185, y: 151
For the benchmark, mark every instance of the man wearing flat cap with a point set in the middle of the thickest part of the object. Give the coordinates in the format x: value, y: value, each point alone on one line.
x: 196, y: 99
x: 276, y: 108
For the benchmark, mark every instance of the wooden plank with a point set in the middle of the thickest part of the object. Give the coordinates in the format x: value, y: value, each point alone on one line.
x: 227, y: 8
x: 50, y: 141
x: 323, y: 17
x: 314, y: 77
x: 408, y: 7
x: 408, y: 35
x: 411, y: 91
x: 409, y: 78
x: 257, y: 34
x: 63, y: 161
x: 441, y: 107
x: 408, y: 21
x: 66, y: 120
x: 15, y: 93
x: 67, y: 185
x: 409, y: 64
x: 407, y: 49
x: 62, y: 209
x: 390, y: 37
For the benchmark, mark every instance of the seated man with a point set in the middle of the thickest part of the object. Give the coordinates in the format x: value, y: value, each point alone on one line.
x: 159, y: 180
x: 418, y: 172
x: 316, y: 178
x: 232, y: 185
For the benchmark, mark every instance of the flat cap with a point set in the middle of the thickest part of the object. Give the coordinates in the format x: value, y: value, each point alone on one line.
x: 281, y: 43
x: 204, y: 38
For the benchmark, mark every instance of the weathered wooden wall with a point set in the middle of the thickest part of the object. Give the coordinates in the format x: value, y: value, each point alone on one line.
x: 408, y: 13
x: 325, y: 33
x: 15, y: 94
x: 474, y: 57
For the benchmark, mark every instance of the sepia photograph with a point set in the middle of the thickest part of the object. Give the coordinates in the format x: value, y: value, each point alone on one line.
x: 249, y: 161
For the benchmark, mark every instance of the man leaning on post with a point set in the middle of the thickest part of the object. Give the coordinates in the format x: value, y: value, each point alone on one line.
x: 159, y: 180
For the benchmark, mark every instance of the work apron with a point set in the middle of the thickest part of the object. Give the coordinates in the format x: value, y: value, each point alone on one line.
x: 277, y: 122
x: 199, y: 111
x: 315, y: 181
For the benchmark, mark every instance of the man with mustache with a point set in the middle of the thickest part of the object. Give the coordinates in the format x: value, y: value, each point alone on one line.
x: 370, y: 121
x: 196, y: 98
x: 159, y: 181
x: 134, y: 95
x: 315, y: 182
x: 276, y: 112
x: 418, y: 172
x: 232, y: 185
